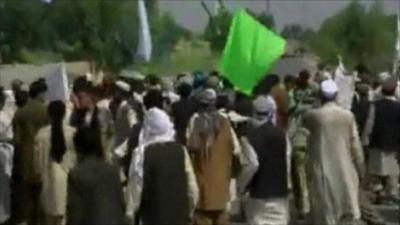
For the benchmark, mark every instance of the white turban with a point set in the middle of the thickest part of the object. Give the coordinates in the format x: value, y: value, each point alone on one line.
x: 123, y: 85
x: 264, y: 104
x: 265, y: 110
x: 384, y: 76
x: 167, y: 84
x: 156, y: 126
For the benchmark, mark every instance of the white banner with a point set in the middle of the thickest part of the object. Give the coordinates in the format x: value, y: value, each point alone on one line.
x: 57, y: 84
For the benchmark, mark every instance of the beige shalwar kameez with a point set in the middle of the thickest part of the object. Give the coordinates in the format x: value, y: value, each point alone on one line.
x: 53, y: 174
x: 334, y: 165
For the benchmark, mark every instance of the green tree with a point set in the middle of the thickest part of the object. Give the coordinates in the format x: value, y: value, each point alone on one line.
x: 100, y: 31
x: 152, y: 7
x: 16, y: 24
x: 264, y: 18
x: 166, y: 34
x: 267, y: 19
x: 359, y: 35
x: 297, y: 32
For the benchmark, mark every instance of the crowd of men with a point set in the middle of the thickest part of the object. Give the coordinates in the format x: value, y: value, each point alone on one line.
x: 192, y: 150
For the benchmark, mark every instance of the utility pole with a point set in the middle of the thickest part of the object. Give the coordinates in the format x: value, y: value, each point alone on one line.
x: 211, y: 17
x: 268, y: 7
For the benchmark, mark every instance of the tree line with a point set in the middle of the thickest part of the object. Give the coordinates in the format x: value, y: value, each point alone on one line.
x: 105, y: 33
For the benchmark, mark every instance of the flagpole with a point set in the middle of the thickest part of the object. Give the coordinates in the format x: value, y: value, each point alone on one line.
x: 396, y: 61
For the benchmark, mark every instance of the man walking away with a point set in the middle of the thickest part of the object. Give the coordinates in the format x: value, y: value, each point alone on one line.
x: 383, y: 127
x: 161, y: 175
x: 212, y: 142
x: 268, y: 203
x: 335, y: 163
x: 94, y: 190
x: 27, y: 122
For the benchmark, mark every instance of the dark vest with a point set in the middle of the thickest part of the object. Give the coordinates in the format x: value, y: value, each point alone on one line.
x: 270, y: 181
x: 360, y: 109
x: 386, y: 130
x: 165, y: 186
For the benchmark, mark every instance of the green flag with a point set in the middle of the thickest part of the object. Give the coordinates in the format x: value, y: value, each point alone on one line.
x: 250, y: 51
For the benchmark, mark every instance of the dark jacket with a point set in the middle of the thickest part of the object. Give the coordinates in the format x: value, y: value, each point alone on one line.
x: 385, y: 133
x: 28, y: 120
x: 95, y: 194
x: 270, y: 181
x: 360, y: 108
x: 165, y: 187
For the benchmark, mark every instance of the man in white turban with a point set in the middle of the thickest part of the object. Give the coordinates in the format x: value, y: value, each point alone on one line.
x: 125, y: 115
x: 335, y: 163
x: 268, y: 189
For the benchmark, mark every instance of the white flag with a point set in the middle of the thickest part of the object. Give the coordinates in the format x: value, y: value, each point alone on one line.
x: 57, y: 83
x: 397, y: 55
x: 144, y: 45
x: 340, y: 70
x: 47, y: 1
x: 345, y: 85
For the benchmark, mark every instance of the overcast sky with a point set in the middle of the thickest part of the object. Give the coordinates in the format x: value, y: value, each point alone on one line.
x: 310, y: 13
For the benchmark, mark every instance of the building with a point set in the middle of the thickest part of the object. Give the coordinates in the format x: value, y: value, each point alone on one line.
x: 28, y: 73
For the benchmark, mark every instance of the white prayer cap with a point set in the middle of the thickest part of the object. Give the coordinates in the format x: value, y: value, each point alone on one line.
x: 123, y: 85
x: 167, y: 84
x: 187, y: 78
x: 329, y: 88
x: 208, y: 96
x: 383, y: 76
x: 137, y: 75
x: 134, y: 75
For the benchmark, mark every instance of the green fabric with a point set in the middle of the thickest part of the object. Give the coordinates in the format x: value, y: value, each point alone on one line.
x: 250, y: 52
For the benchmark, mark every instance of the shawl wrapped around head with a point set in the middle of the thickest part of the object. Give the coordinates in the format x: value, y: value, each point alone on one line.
x: 157, y: 127
x: 265, y: 110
